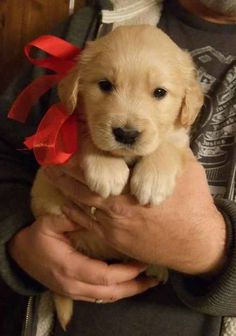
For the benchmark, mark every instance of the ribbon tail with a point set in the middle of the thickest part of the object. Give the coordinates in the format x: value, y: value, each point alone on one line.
x: 30, y: 95
x: 56, y: 138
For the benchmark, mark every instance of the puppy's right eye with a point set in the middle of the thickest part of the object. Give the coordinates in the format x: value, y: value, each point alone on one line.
x: 105, y: 85
x: 159, y: 93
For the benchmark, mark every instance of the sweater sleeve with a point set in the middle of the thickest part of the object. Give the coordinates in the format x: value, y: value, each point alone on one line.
x: 218, y: 296
x: 18, y: 167
x: 17, y: 170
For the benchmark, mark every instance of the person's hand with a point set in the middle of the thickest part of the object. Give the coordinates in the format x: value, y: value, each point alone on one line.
x: 43, y: 251
x: 185, y: 233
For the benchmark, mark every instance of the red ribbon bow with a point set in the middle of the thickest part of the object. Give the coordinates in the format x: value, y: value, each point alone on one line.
x: 56, y: 137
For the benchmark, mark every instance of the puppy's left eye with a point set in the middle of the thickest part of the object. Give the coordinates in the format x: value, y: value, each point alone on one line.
x: 105, y: 85
x: 159, y: 93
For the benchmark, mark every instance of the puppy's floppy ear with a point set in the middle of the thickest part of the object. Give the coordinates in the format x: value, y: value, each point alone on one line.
x: 68, y: 90
x: 193, y: 99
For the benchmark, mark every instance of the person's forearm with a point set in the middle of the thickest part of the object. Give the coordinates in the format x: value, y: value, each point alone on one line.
x: 215, y: 294
x: 213, y: 260
x: 15, y: 214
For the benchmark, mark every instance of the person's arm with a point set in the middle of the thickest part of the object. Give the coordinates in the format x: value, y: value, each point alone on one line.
x: 18, y: 167
x: 17, y: 170
x: 213, y: 294
x: 187, y: 233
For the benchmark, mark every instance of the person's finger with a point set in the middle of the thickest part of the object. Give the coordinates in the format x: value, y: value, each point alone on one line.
x: 110, y: 293
x: 75, y: 172
x: 69, y: 169
x: 90, y: 218
x: 93, y: 300
x: 76, y: 191
x: 89, y: 210
x: 56, y: 224
x: 87, y: 299
x: 83, y: 216
x: 98, y: 272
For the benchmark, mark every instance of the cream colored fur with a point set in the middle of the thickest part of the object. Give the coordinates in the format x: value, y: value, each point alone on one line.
x: 136, y: 60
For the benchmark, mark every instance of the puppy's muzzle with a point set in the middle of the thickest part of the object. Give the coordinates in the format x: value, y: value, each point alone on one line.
x: 125, y: 135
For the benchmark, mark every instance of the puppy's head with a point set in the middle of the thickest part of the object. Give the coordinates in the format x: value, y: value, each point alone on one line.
x: 136, y: 86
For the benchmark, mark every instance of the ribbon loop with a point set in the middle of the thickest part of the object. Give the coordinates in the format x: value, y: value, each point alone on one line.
x: 61, y: 53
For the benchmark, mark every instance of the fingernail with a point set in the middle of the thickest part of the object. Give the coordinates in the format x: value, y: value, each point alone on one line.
x: 142, y: 267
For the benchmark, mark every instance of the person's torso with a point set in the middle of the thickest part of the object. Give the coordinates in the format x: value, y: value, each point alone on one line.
x: 214, y: 52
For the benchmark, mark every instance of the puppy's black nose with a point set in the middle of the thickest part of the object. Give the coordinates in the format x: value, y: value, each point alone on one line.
x: 125, y: 135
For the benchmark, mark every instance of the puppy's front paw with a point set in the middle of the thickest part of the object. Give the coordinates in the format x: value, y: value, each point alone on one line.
x: 106, y: 175
x: 151, y: 184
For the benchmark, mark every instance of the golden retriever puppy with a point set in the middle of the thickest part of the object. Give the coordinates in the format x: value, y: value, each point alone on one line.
x: 139, y: 95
